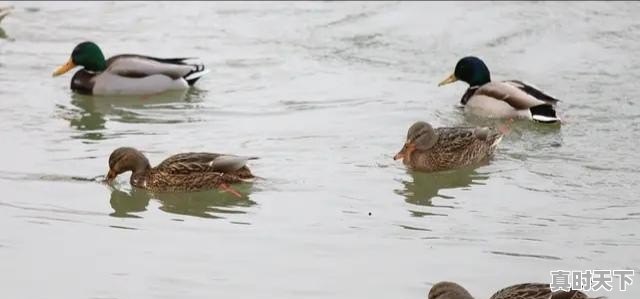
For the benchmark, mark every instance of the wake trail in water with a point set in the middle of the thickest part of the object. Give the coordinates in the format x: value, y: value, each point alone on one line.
x: 18, y: 176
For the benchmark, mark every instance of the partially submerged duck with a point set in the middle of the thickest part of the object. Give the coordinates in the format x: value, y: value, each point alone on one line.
x: 500, y: 99
x: 127, y: 74
x: 452, y: 290
x: 180, y: 172
x: 428, y: 149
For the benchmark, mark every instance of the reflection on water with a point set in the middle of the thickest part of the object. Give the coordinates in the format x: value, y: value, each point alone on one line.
x: 23, y: 176
x: 205, y: 204
x: 89, y: 119
x: 94, y: 111
x: 328, y: 101
x: 518, y: 127
x: 426, y: 186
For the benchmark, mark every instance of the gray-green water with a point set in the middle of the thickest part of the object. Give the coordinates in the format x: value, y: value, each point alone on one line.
x: 323, y: 93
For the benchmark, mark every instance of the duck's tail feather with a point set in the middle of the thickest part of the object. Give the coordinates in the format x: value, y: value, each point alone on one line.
x: 544, y: 113
x: 198, y: 71
x: 229, y: 163
x: 175, y: 60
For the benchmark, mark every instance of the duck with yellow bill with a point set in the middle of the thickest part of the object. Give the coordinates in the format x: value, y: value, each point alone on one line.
x: 511, y: 99
x: 127, y: 74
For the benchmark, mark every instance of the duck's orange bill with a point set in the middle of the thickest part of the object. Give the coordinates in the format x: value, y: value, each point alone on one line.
x: 404, y: 152
x: 399, y: 155
x: 452, y: 78
x: 64, y: 68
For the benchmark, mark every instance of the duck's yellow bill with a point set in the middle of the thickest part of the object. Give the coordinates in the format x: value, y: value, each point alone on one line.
x: 452, y: 78
x: 64, y: 68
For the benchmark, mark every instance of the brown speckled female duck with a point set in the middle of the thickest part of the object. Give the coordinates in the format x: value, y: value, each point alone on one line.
x: 452, y: 290
x: 427, y: 149
x: 181, y: 172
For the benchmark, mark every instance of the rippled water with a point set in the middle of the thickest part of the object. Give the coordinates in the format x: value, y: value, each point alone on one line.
x: 324, y: 94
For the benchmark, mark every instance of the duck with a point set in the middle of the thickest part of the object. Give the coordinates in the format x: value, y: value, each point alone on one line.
x: 429, y: 150
x: 452, y: 290
x: 184, y: 172
x: 127, y: 74
x: 510, y: 99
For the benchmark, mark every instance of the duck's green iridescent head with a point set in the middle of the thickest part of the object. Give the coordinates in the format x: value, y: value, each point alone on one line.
x: 86, y: 54
x: 469, y: 69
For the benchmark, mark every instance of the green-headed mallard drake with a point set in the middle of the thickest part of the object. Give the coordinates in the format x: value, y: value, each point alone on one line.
x: 127, y: 74
x: 428, y: 149
x: 181, y: 172
x: 452, y: 290
x: 500, y: 99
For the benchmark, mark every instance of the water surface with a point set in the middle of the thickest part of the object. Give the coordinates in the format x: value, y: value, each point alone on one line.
x: 323, y: 93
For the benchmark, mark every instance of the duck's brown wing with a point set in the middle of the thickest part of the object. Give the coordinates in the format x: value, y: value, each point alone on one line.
x: 458, y: 138
x: 573, y: 294
x: 165, y: 182
x: 190, y: 157
x: 524, y: 291
x: 453, y: 139
x: 188, y: 163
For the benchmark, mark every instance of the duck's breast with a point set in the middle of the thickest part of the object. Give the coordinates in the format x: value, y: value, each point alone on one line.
x: 83, y: 82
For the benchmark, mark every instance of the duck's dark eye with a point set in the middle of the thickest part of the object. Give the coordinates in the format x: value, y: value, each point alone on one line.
x: 460, y: 71
x: 418, y: 136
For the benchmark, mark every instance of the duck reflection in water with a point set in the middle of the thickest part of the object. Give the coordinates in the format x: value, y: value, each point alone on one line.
x: 425, y: 186
x: 91, y: 117
x: 205, y: 204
